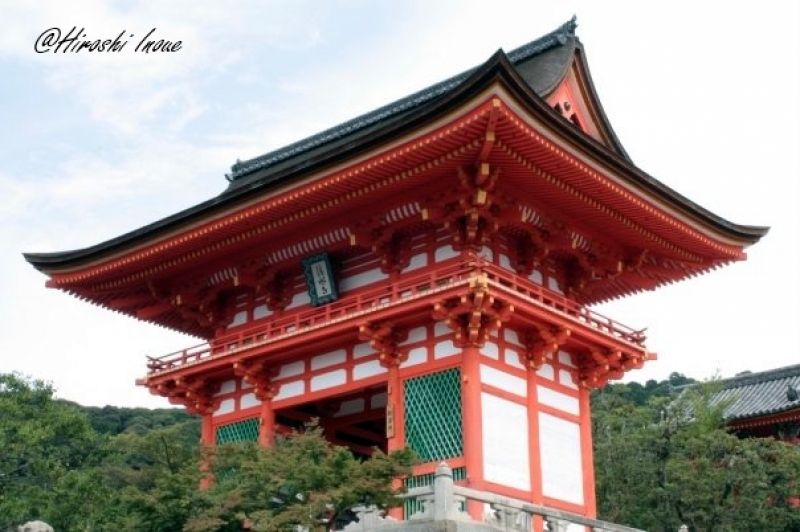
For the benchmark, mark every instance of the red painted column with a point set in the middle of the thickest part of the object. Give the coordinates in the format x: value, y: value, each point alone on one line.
x: 266, y: 431
x: 587, y: 454
x: 534, y: 455
x: 395, y: 423
x: 472, y: 424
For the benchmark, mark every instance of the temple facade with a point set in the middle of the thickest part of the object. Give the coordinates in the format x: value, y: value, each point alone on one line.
x: 420, y: 276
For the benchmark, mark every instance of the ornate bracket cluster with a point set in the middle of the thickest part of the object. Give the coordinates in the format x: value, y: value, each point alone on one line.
x: 600, y: 366
x: 542, y: 341
x: 259, y: 375
x: 385, y: 338
x: 473, y: 316
x: 196, y: 394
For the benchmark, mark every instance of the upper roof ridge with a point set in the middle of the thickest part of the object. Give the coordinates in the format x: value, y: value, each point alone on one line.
x: 557, y: 37
x: 761, y: 377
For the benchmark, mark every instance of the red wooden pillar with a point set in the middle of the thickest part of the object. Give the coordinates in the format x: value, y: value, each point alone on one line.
x: 472, y: 424
x: 533, y: 447
x: 395, y: 422
x: 587, y: 456
x: 266, y: 430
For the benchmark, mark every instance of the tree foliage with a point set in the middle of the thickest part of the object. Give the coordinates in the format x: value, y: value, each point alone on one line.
x: 662, y: 462
x: 55, y: 467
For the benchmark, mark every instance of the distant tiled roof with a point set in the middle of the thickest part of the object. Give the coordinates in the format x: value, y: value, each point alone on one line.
x: 759, y: 394
x: 553, y: 39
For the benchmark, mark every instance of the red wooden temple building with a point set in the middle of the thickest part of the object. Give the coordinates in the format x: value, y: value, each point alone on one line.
x: 420, y: 276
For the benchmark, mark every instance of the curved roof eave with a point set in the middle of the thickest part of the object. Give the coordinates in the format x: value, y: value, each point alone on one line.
x: 497, y: 68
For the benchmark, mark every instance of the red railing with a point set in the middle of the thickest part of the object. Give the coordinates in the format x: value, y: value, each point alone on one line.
x: 369, y: 299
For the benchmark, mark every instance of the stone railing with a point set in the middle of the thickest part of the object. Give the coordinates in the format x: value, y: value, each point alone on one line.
x: 442, y: 509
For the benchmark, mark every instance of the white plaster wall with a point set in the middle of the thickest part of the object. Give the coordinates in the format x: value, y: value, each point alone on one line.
x: 248, y: 400
x: 444, y: 253
x: 328, y: 359
x: 368, y: 369
x: 361, y: 279
x: 504, y: 381
x: 561, y: 401
x: 328, y: 380
x: 560, y: 451
x: 505, y: 442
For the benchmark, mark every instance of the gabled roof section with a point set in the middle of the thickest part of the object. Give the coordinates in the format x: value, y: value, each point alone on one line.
x: 541, y: 63
x: 760, y: 394
x: 276, y: 172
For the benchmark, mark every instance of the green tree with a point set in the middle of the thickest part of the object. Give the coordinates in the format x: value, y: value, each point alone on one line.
x: 41, y: 442
x: 303, y: 480
x: 669, y: 462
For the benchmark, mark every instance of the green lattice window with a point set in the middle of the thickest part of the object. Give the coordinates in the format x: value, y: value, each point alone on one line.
x: 433, y: 415
x: 412, y: 506
x: 241, y: 431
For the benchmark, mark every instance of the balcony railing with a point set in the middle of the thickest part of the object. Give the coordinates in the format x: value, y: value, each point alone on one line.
x: 407, y: 288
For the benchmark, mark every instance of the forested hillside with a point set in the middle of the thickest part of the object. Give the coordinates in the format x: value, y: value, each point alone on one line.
x: 662, y: 459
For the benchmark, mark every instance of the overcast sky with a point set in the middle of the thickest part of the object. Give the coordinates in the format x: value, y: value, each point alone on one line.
x: 703, y: 95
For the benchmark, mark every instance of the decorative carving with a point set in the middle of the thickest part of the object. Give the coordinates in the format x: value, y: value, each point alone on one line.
x: 542, y: 341
x: 196, y: 394
x: 385, y: 338
x: 259, y: 375
x: 474, y: 315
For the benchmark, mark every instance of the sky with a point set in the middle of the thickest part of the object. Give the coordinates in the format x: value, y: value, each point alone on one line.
x: 703, y: 95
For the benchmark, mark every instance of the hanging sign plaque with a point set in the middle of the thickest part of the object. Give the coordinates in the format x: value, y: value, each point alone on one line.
x: 319, y: 279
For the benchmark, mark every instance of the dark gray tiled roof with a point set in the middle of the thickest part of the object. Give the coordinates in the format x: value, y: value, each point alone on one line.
x: 758, y: 394
x: 243, y: 168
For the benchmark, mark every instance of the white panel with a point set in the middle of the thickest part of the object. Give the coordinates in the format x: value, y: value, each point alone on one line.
x: 368, y: 369
x: 326, y: 380
x: 445, y: 349
x: 361, y: 279
x: 487, y: 253
x: 362, y: 350
x: 238, y: 319
x: 441, y: 329
x: 505, y: 381
x: 513, y: 359
x: 490, y: 350
x: 565, y: 378
x: 545, y: 371
x: 445, y: 252
x: 290, y: 389
x: 505, y: 262
x: 511, y: 336
x: 353, y: 406
x: 261, y: 311
x: 291, y: 369
x: 225, y: 407
x: 418, y: 355
x: 299, y: 299
x: 378, y: 400
x: 561, y: 401
x: 417, y: 334
x: 552, y: 284
x: 565, y: 358
x: 536, y: 277
x: 560, y: 451
x: 249, y: 400
x: 417, y: 261
x: 329, y: 359
x: 226, y: 387
x: 505, y: 442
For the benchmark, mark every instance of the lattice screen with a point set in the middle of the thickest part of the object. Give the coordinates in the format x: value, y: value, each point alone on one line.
x: 433, y: 415
x: 241, y: 431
